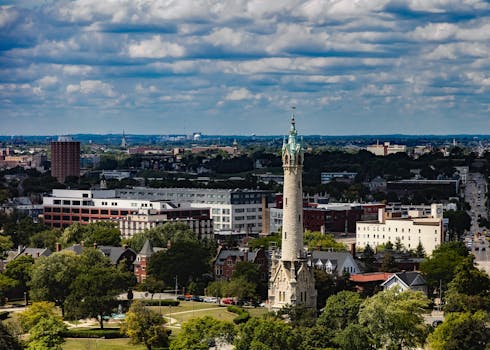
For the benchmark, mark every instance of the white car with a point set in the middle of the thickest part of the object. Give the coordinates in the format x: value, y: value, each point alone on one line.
x: 210, y: 299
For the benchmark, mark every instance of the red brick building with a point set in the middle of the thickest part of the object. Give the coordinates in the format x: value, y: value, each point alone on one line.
x: 65, y: 158
x: 226, y: 261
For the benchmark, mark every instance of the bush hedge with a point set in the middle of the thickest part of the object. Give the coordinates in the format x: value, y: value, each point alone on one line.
x: 243, y: 316
x: 163, y: 302
x: 107, y: 333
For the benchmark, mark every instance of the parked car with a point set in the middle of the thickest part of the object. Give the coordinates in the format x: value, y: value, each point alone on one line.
x: 180, y: 297
x: 210, y: 300
x: 197, y: 298
x: 227, y: 301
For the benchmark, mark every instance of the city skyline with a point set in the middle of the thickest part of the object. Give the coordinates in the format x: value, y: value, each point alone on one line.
x: 156, y: 67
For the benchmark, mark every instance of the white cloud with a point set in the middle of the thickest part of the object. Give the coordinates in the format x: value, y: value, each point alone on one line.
x: 241, y: 94
x: 155, y: 47
x: 76, y: 69
x: 48, y: 80
x: 91, y: 87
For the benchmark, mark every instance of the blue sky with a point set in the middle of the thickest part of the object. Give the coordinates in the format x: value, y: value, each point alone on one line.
x: 236, y: 67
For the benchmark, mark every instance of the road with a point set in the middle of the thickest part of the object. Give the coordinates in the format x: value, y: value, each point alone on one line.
x: 476, y: 195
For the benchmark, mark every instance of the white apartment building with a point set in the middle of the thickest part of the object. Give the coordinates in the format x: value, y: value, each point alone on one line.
x: 238, y: 210
x: 144, y: 220
x: 428, y: 230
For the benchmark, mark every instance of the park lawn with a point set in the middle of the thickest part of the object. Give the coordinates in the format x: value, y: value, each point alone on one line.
x: 256, y: 311
x: 100, y: 344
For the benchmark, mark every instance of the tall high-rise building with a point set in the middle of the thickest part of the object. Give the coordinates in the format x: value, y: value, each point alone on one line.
x: 292, y: 281
x: 65, y: 158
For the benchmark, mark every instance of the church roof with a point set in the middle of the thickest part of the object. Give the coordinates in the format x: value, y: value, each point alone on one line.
x: 147, y: 249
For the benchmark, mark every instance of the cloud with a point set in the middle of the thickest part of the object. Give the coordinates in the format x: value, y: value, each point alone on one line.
x: 241, y: 94
x: 155, y: 47
x: 48, y: 80
x: 91, y: 87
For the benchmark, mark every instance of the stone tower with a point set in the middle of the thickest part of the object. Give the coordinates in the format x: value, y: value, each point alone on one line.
x: 292, y: 281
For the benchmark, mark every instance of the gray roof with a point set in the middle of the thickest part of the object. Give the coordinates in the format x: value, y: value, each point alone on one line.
x: 224, y: 254
x: 113, y: 253
x: 147, y: 249
x: 411, y: 278
x: 34, y: 252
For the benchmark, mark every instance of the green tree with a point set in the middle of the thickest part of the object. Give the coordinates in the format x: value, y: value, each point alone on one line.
x: 153, y: 285
x: 394, y: 319
x: 5, y: 244
x: 420, y: 251
x: 340, y: 310
x: 353, y: 337
x: 35, y: 313
x: 201, y: 333
x: 94, y: 292
x: 145, y: 326
x: 6, y: 284
x: 52, y: 277
x: 461, y: 331
x: 102, y: 233
x: 45, y: 239
x: 188, y: 260
x: 315, y: 240
x: 440, y: 267
x: 47, y: 334
x: 266, y: 334
x: 7, y: 340
x: 369, y: 259
x: 240, y: 288
x: 389, y: 264
x: 459, y: 222
x: 20, y: 271
x: 469, y: 290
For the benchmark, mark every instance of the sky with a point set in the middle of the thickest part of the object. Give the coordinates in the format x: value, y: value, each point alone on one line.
x: 350, y: 67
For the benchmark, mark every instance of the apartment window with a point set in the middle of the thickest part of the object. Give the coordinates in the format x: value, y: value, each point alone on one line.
x: 57, y: 201
x: 104, y: 212
x: 75, y: 202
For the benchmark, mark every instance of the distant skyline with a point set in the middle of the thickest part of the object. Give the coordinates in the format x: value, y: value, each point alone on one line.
x: 236, y: 67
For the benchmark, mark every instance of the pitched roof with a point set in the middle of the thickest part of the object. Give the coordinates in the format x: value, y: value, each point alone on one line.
x: 408, y: 278
x: 147, y: 249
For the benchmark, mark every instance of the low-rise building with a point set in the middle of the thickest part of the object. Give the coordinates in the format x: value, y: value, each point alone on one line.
x: 337, y: 263
x: 406, y: 280
x: 343, y: 176
x: 386, y: 148
x: 226, y: 261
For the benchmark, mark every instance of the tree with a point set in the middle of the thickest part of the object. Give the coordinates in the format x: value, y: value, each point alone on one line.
x: 389, y: 264
x: 266, y: 333
x: 153, y: 285
x: 35, y: 313
x: 6, y: 284
x: 52, y: 277
x: 394, y: 319
x: 20, y: 271
x: 420, y: 251
x: 441, y: 266
x: 102, y: 233
x: 7, y: 340
x: 398, y: 244
x: 201, y: 333
x: 240, y: 288
x: 469, y: 290
x: 340, y: 310
x: 459, y: 222
x: 145, y: 326
x: 461, y: 331
x: 45, y: 239
x: 315, y: 240
x: 353, y: 337
x: 47, y: 334
x: 187, y: 260
x: 368, y: 258
x: 94, y: 292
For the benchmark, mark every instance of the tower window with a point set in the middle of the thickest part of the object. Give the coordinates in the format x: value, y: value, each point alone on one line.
x: 299, y: 218
x: 286, y: 201
x: 285, y: 235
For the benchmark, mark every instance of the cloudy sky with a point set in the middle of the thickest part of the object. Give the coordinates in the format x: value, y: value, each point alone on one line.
x: 237, y: 67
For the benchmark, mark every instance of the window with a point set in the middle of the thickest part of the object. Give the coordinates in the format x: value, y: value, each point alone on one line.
x: 57, y: 201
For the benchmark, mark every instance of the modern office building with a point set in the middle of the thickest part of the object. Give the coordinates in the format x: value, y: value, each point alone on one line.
x: 65, y: 158
x: 65, y: 207
x: 238, y: 210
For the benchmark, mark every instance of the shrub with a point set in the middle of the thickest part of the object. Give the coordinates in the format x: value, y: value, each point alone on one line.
x: 108, y: 333
x: 163, y: 302
x: 243, y: 316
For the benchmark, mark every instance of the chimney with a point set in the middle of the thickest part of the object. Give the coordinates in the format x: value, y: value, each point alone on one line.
x: 381, y: 215
x: 169, y: 244
x: 37, y: 254
x: 95, y: 245
x: 82, y: 243
x: 20, y: 248
x: 125, y: 246
x: 353, y: 250
x: 58, y: 247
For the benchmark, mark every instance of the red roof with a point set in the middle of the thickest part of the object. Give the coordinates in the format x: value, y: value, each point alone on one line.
x: 370, y: 277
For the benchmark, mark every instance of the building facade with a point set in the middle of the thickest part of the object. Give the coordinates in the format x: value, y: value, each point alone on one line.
x: 65, y: 158
x: 410, y: 231
x: 292, y: 281
x: 237, y: 210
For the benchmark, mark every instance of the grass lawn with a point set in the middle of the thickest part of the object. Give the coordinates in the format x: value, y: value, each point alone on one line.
x: 100, y: 344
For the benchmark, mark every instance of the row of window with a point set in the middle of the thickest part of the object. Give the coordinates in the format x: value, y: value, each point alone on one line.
x: 85, y: 211
x: 376, y: 228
